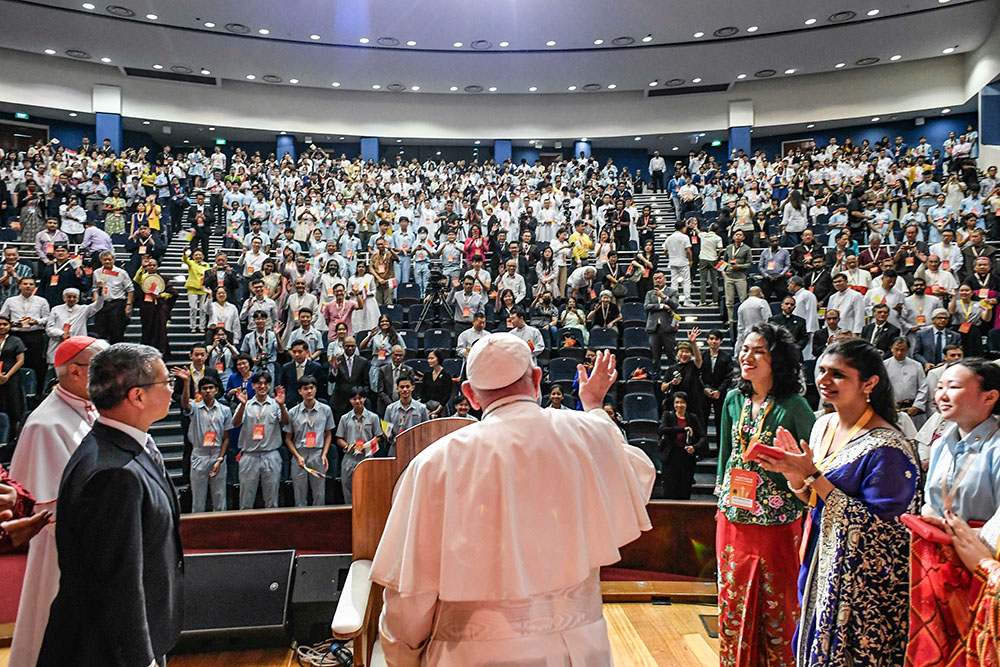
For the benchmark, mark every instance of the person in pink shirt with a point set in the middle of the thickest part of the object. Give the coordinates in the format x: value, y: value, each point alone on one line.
x: 340, y: 309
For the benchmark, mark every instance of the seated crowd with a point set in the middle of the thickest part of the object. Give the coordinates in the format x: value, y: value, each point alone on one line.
x: 335, y: 273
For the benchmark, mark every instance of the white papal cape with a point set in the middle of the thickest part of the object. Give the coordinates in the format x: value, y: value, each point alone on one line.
x: 492, y: 548
x: 51, y: 434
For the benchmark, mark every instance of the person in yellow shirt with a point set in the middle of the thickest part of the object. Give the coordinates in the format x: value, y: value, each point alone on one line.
x: 195, y: 286
x: 581, y: 244
x: 153, y: 211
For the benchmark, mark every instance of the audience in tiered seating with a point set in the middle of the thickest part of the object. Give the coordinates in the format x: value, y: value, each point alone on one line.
x: 409, y: 263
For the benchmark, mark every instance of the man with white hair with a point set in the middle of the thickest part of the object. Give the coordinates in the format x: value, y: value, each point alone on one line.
x: 69, y: 319
x: 753, y: 310
x: 50, y: 435
x: 583, y: 495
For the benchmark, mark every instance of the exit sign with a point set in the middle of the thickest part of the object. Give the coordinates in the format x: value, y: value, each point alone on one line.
x: 20, y: 115
x: 717, y: 142
x: 220, y: 142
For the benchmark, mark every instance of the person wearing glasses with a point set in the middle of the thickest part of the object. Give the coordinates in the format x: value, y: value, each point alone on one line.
x: 121, y: 565
x: 260, y: 439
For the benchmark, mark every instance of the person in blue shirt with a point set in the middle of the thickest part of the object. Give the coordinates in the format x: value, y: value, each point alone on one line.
x: 775, y: 266
x: 942, y: 217
x: 973, y: 205
x: 350, y: 246
x: 403, y: 240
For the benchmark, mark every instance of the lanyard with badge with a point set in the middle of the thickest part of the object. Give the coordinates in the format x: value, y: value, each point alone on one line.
x: 258, y: 427
x: 743, y: 483
x: 310, y: 426
x: 948, y: 492
x: 210, y: 439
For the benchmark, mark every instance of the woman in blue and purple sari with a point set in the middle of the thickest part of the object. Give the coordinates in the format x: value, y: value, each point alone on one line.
x: 858, y: 474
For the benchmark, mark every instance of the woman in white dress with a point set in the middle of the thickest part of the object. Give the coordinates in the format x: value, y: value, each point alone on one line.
x: 223, y: 313
x: 363, y: 284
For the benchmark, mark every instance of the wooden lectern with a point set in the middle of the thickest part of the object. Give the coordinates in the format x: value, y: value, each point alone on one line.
x: 374, y: 480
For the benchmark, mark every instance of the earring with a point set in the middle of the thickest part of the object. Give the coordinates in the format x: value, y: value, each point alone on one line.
x: 868, y: 397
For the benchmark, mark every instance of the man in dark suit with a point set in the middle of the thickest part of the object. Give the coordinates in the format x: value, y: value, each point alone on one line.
x: 716, y: 375
x: 818, y: 281
x: 827, y: 333
x: 197, y: 370
x: 974, y: 250
x: 201, y: 218
x: 880, y: 332
x: 795, y: 324
x: 120, y: 600
x: 660, y: 304
x: 803, y: 253
x: 910, y: 254
x: 351, y: 371
x: 929, y: 346
x: 299, y: 366
x: 388, y: 376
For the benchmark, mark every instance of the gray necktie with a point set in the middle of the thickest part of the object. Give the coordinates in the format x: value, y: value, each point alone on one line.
x: 154, y: 454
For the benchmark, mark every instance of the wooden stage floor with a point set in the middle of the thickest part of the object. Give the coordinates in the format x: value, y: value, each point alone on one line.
x: 642, y: 635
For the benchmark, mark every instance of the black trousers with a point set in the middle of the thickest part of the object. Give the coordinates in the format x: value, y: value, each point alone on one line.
x: 657, y: 181
x: 34, y: 355
x: 774, y: 290
x: 662, y: 342
x: 110, y: 322
x: 200, y: 239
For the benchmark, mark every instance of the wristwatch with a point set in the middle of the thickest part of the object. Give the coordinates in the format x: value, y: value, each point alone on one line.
x: 811, y: 479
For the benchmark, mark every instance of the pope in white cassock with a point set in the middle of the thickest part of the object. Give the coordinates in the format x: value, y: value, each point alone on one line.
x: 492, y: 548
x: 51, y: 434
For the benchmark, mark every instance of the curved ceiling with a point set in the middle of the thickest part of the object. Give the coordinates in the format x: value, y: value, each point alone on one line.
x: 319, y: 44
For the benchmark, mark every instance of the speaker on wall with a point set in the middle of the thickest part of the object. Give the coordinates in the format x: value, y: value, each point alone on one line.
x: 236, y: 600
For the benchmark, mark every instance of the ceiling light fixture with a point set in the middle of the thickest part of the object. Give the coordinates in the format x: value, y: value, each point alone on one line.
x: 105, y: 59
x: 264, y: 31
x: 187, y: 141
x: 414, y: 88
x: 551, y: 42
x: 211, y: 129
x: 532, y: 89
x: 654, y: 83
x: 152, y: 17
x: 157, y: 66
x: 376, y: 86
x: 73, y: 114
x: 753, y: 28
x: 145, y: 122
x: 88, y: 5
x: 699, y: 35
x: 875, y: 119
x: 399, y: 141
x: 453, y: 88
x: 676, y: 148
x: 840, y: 65
x: 492, y: 89
x: 944, y: 1
x: 946, y: 110
x: 612, y: 86
x: 335, y: 84
x: 457, y: 45
x: 697, y: 79
x: 50, y: 52
x: 895, y: 57
x: 293, y: 81
x: 411, y: 42
x: 810, y: 21
x: 790, y: 70
x: 477, y: 142
x: 950, y: 49
x: 504, y: 45
x: 647, y: 38
x: 872, y: 12
x: 206, y: 72
x: 637, y: 139
x: 571, y: 88
x: 282, y: 132
x: 209, y: 24
x: 598, y: 42
x: 364, y: 40
x: 584, y: 139
x: 810, y: 126
x: 251, y: 77
x: 741, y: 76
x: 314, y: 37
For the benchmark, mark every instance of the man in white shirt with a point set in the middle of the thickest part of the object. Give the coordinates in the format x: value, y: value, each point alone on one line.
x: 807, y: 308
x: 467, y: 338
x: 69, y: 320
x: 28, y: 314
x: 512, y: 280
x: 849, y: 303
x: 949, y: 252
x: 258, y: 301
x: 857, y: 277
x: 753, y: 310
x: 909, y: 386
x: 657, y: 165
x: 490, y: 559
x: 887, y: 293
x: 50, y: 435
x: 677, y: 248
x: 529, y: 334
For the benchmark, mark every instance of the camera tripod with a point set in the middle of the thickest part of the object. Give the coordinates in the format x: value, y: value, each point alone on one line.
x: 434, y: 297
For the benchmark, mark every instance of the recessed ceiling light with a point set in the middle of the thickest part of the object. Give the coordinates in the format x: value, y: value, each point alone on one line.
x: 314, y: 37
x: 282, y: 132
x: 944, y: 1
x: 399, y: 141
x: 438, y: 153
x: 411, y: 42
x: 453, y: 88
x: 504, y: 45
x: 105, y: 59
x: 637, y: 138
x: 335, y: 84
x: 152, y: 17
x: 375, y: 86
x: 493, y: 89
x: 571, y: 88
x: 88, y: 5
x: 584, y: 139
x: 532, y: 89
x: 810, y: 126
x: 647, y: 38
x: 753, y: 28
x: 551, y: 42
x: 950, y: 49
x: 477, y: 142
x: 73, y: 114
x: 875, y: 119
x: 946, y: 110
x: 598, y: 42
x: 612, y: 86
x: 264, y: 31
x: 872, y: 12
x: 676, y: 148
x: 653, y: 83
x: 457, y: 45
x: 699, y: 35
x: 145, y: 122
x: 186, y: 141
x: 895, y: 57
x: 414, y: 87
x: 840, y: 65
x: 50, y: 52
x: 790, y: 70
x: 741, y: 76
x: 251, y: 77
x: 364, y: 40
x: 810, y: 21
x: 209, y: 24
x: 697, y: 79
x: 206, y: 72
x: 211, y: 129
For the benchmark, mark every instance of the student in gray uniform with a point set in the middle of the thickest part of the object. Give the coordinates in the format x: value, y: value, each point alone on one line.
x: 307, y: 436
x: 208, y: 432
x: 355, y: 432
x: 261, y: 419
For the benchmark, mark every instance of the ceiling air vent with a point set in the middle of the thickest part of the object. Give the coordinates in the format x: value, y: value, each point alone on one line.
x: 482, y: 44
x: 237, y: 28
x: 591, y: 87
x: 623, y: 41
x: 689, y: 90
x: 387, y: 41
x: 764, y: 73
x: 473, y: 89
x: 673, y: 83
x: 871, y: 60
x: 396, y: 87
x: 78, y: 54
x: 181, y: 69
x: 728, y: 31
x: 272, y: 78
x: 840, y: 17
x: 118, y: 10
x: 169, y: 76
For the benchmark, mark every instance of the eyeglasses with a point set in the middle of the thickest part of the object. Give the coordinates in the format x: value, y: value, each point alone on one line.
x: 168, y: 381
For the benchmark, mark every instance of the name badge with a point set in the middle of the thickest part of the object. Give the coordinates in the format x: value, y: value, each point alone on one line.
x: 54, y: 280
x: 807, y: 257
x: 770, y: 266
x: 964, y: 327
x: 209, y: 439
x: 466, y: 311
x: 984, y: 293
x: 381, y: 268
x: 909, y: 261
x: 381, y: 355
x: 946, y: 265
x: 258, y: 432
x: 310, y: 439
x: 142, y: 250
x: 111, y: 273
x: 743, y: 488
x: 921, y: 319
x: 50, y: 248
x: 219, y: 366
